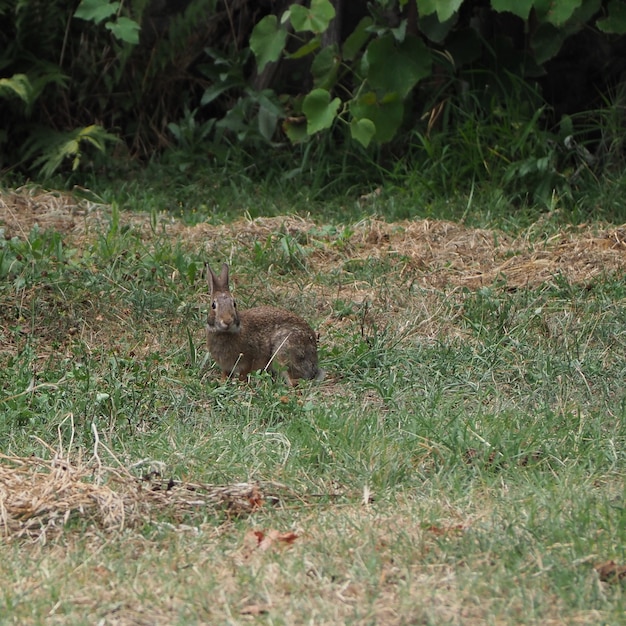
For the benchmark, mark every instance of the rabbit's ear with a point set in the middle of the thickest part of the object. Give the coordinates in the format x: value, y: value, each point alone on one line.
x: 224, y: 276
x: 210, y: 276
x: 217, y: 283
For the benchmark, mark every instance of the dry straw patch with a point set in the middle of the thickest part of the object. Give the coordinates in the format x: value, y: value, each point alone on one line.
x: 434, y: 253
x: 40, y: 496
x: 446, y: 253
x: 438, y: 253
x: 22, y: 209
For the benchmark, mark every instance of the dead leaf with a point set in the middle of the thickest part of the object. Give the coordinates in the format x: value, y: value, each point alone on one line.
x: 610, y: 572
x: 440, y: 531
x: 255, y: 537
x: 255, y: 498
x: 273, y: 536
x: 261, y: 541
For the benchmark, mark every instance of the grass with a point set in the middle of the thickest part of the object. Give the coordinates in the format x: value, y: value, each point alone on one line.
x: 462, y: 463
x: 443, y: 181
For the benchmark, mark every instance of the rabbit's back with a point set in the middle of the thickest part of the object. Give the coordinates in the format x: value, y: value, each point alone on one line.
x: 293, y: 343
x: 271, y: 338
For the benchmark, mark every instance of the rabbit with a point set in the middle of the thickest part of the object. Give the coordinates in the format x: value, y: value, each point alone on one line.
x: 260, y: 338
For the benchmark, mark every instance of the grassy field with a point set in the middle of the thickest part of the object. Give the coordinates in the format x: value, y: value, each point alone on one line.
x: 462, y: 463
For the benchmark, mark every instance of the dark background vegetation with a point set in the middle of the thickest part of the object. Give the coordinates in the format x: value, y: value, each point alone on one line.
x: 524, y: 97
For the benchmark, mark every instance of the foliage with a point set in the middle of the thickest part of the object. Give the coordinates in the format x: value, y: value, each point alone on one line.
x: 79, y: 77
x: 210, y: 78
x: 379, y: 68
x: 98, y: 11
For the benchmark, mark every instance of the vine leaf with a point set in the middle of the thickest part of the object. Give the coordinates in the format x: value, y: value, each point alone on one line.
x: 320, y: 110
x: 445, y: 8
x: 397, y: 68
x: 125, y: 29
x: 521, y: 8
x: 314, y: 19
x: 615, y: 22
x: 385, y: 114
x: 363, y: 131
x: 96, y: 10
x: 267, y: 41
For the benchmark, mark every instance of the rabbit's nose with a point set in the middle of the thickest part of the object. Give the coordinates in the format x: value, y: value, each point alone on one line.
x: 228, y: 323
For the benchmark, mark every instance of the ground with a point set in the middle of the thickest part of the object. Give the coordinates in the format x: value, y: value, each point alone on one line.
x: 470, y: 500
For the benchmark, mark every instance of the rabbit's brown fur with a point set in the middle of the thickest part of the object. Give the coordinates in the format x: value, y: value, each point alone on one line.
x: 260, y: 338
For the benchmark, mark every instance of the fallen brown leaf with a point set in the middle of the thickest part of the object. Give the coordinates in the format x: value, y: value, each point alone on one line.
x: 256, y: 541
x: 610, y: 572
x: 440, y: 531
x: 273, y: 536
x: 255, y: 498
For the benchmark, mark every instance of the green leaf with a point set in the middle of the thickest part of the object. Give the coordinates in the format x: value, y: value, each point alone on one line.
x: 615, y: 21
x: 55, y: 147
x: 399, y: 32
x: 18, y: 85
x: 320, y: 110
x: 434, y: 30
x: 426, y: 7
x: 314, y: 19
x: 363, y: 131
x: 555, y: 12
x: 96, y: 10
x: 29, y: 88
x: 217, y: 89
x: 386, y: 114
x: 237, y: 119
x: 521, y: 8
x: 546, y: 42
x: 96, y: 136
x: 325, y: 67
x: 267, y: 41
x: 296, y: 129
x: 357, y: 39
x: 266, y: 99
x: 124, y: 29
x: 397, y: 68
x: 307, y: 48
x: 445, y: 8
x: 267, y: 120
x: 547, y: 38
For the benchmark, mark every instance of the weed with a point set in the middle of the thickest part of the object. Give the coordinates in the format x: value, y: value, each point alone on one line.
x: 282, y: 250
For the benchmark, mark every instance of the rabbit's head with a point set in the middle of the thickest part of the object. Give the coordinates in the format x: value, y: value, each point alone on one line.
x: 222, y: 316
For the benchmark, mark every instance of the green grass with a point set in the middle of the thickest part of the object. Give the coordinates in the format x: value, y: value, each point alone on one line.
x: 487, y: 425
x: 445, y: 180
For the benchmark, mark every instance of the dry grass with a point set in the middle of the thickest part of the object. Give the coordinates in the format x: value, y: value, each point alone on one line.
x: 441, y: 254
x: 357, y: 564
x: 433, y: 253
x: 438, y: 258
x: 40, y: 497
x: 22, y: 209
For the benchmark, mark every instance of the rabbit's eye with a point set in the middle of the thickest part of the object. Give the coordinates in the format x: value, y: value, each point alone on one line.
x: 213, y: 305
x: 234, y: 304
